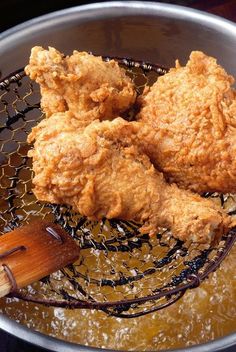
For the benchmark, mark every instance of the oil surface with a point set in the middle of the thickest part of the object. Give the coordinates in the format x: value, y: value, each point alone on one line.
x: 203, y: 314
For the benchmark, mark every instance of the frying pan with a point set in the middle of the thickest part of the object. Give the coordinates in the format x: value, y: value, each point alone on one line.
x: 144, y: 31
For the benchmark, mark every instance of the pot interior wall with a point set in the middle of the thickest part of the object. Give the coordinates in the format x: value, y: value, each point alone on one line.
x: 152, y: 37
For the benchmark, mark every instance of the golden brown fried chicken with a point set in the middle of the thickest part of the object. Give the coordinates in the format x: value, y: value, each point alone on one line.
x: 193, y: 111
x: 100, y: 172
x: 81, y: 83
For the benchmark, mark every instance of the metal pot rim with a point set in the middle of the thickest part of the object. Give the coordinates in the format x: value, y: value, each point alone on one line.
x: 103, y: 10
x: 115, y: 8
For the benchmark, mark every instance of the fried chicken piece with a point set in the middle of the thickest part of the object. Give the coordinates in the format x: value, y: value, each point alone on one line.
x: 83, y: 84
x: 193, y: 111
x: 100, y: 172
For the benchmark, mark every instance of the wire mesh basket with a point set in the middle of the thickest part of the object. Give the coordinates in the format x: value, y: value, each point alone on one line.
x: 120, y: 271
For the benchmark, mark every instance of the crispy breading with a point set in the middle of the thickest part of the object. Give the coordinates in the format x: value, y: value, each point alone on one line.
x: 83, y: 84
x: 193, y: 111
x: 101, y: 172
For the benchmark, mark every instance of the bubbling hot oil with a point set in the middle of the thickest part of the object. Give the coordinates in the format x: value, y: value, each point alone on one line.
x: 203, y: 314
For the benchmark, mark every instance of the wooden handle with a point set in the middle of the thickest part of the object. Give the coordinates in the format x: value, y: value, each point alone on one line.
x: 31, y: 252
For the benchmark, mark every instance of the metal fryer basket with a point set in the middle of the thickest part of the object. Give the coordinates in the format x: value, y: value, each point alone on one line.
x: 120, y: 272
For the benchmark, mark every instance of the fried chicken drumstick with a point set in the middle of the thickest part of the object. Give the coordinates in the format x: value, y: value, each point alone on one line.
x: 193, y: 111
x: 101, y: 174
x: 81, y: 83
x: 100, y: 168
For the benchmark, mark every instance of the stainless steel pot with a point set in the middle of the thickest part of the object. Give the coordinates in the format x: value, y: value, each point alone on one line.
x: 141, y: 30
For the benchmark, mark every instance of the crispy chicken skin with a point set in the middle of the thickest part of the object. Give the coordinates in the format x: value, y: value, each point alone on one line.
x: 193, y: 111
x: 81, y: 83
x: 101, y: 172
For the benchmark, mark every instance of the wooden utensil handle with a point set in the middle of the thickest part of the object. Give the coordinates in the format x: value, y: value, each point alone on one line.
x: 33, y: 251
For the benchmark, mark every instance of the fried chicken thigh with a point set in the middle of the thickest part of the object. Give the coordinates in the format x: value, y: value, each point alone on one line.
x: 81, y: 83
x: 193, y: 111
x: 100, y: 172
